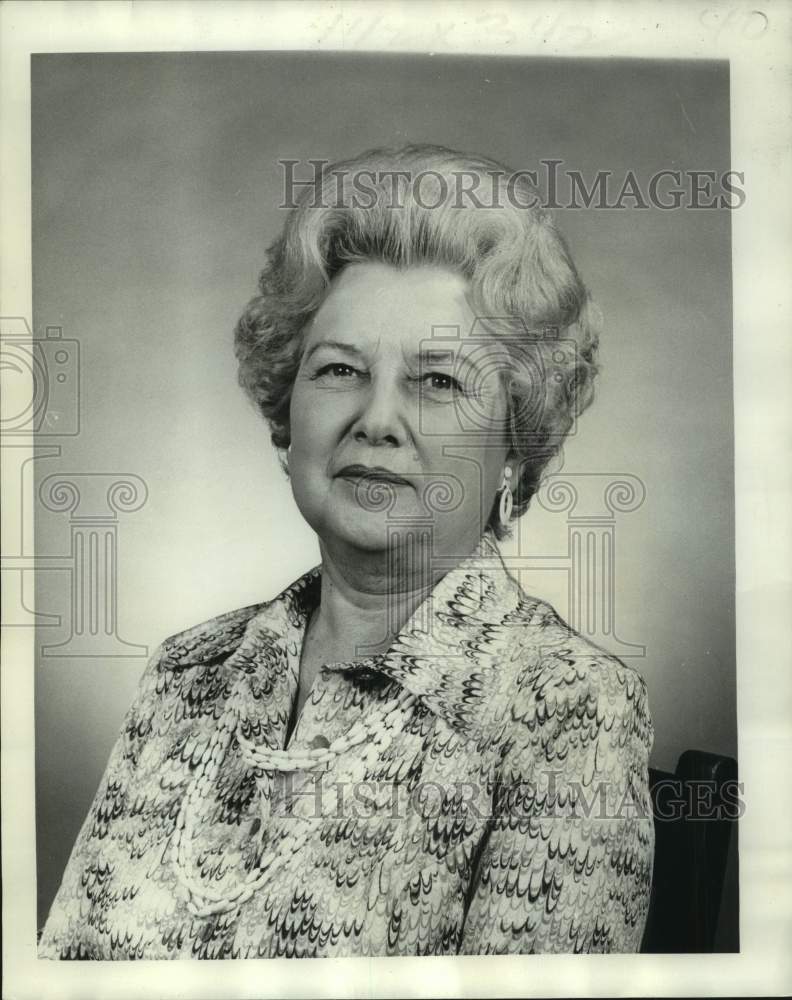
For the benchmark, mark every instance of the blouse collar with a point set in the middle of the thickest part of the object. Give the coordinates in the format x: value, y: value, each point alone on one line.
x: 458, y: 652
x: 453, y: 652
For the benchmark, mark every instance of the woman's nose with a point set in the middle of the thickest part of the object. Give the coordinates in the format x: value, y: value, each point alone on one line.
x: 381, y: 420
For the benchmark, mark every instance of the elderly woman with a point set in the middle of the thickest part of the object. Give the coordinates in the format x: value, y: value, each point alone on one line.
x: 402, y: 753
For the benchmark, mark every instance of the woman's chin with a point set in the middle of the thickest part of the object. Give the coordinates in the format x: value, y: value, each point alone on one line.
x: 372, y: 532
x: 345, y: 521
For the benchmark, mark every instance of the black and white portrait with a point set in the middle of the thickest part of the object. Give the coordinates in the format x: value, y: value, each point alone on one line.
x: 378, y: 552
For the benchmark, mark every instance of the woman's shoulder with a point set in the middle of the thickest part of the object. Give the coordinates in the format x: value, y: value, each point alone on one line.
x: 571, y: 660
x: 192, y: 674
x: 209, y: 639
x: 196, y: 665
x: 570, y: 693
x: 221, y: 635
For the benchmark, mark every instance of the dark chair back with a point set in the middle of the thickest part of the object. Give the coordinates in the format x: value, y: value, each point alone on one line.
x: 695, y: 810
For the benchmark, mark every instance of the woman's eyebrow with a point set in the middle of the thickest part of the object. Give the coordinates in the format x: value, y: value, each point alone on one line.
x: 337, y: 345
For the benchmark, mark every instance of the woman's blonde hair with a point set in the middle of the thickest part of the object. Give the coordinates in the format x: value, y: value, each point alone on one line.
x: 424, y: 204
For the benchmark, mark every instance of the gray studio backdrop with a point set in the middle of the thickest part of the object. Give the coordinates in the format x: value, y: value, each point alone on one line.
x: 155, y: 190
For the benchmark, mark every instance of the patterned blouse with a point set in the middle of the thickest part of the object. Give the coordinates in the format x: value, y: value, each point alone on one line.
x: 481, y: 788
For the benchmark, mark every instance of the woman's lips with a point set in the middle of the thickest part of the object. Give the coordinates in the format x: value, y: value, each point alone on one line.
x: 375, y: 473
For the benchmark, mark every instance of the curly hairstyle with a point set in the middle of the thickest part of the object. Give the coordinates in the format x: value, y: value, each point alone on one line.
x: 412, y: 210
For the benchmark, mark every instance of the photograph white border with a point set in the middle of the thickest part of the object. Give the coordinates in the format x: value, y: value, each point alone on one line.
x: 756, y: 41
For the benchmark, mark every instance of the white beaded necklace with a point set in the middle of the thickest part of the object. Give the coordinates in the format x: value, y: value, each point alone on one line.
x: 203, y: 901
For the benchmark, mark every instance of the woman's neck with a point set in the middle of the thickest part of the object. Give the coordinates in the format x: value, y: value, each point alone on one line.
x: 367, y: 598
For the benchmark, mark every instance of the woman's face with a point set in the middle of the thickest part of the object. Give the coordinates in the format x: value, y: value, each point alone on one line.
x: 395, y: 423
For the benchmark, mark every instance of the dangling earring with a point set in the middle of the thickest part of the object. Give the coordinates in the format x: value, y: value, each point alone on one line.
x: 506, y: 502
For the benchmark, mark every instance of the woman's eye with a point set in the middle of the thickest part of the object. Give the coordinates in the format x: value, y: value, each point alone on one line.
x: 442, y: 381
x: 337, y: 370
